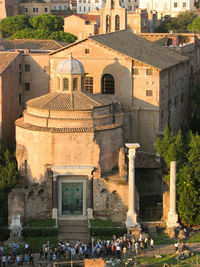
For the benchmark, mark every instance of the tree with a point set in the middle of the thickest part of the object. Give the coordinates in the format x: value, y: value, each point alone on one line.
x: 39, y: 27
x: 184, y: 148
x: 194, y: 26
x: 47, y: 23
x: 9, y: 177
x: 13, y: 24
x: 179, y: 24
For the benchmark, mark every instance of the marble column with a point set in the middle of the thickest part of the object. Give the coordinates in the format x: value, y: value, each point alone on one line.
x: 172, y: 214
x: 55, y: 197
x: 90, y: 197
x: 131, y: 221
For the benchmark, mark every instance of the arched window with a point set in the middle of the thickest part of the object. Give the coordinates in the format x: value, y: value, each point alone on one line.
x: 65, y: 84
x: 108, y: 24
x: 75, y: 84
x: 108, y: 84
x: 89, y: 83
x: 112, y: 4
x: 117, y: 22
x: 58, y: 83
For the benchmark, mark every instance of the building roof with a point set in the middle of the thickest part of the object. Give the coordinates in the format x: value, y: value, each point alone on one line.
x: 6, y: 58
x: 140, y: 49
x: 68, y: 101
x: 6, y: 44
x: 86, y: 17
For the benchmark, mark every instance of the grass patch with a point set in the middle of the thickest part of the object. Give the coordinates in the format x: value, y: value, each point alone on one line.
x: 158, y: 262
x: 194, y: 238
x: 37, y: 242
x: 103, y: 223
x: 41, y: 223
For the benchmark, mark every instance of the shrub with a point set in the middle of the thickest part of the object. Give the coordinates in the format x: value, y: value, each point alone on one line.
x: 39, y: 232
x: 4, y: 233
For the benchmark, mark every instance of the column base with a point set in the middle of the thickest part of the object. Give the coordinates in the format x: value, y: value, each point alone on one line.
x: 55, y: 213
x: 172, y: 220
x: 90, y: 213
x: 131, y: 221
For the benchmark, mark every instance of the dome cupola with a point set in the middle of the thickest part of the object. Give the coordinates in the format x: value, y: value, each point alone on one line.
x: 70, y: 75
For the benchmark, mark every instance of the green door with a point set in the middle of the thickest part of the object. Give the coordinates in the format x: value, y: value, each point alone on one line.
x: 72, y: 198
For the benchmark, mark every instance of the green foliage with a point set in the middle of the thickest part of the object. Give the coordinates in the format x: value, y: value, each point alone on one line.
x: 179, y: 24
x: 47, y: 23
x: 13, y: 24
x: 39, y: 232
x: 9, y: 177
x: 4, y: 233
x: 194, y: 26
x: 185, y: 150
x: 39, y: 28
x: 41, y: 223
x: 194, y: 238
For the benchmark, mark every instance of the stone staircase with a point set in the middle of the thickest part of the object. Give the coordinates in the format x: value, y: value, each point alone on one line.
x: 152, y: 230
x: 73, y: 230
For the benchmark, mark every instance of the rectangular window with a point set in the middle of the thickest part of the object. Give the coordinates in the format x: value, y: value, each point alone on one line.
x: 175, y: 4
x: 96, y: 1
x: 149, y: 93
x: 20, y: 77
x: 27, y: 86
x: 35, y: 10
x: 89, y: 84
x: 20, y: 98
x: 87, y: 22
x: 27, y: 68
x: 149, y: 72
x: 88, y: 9
x: 87, y: 51
x: 182, y: 97
x: 184, y: 4
x: 45, y: 9
x: 176, y: 100
x: 135, y: 71
x: 80, y: 8
x: 20, y: 66
x: 84, y: 9
x: 25, y: 9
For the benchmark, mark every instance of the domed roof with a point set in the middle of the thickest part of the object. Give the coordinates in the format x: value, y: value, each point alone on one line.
x: 70, y: 66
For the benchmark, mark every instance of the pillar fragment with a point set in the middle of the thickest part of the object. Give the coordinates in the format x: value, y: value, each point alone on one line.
x: 131, y: 221
x: 172, y: 214
x: 55, y: 197
x: 90, y: 197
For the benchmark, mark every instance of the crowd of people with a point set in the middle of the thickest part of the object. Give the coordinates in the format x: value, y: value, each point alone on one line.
x: 115, y: 247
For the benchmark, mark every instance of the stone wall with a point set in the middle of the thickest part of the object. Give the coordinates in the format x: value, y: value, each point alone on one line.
x: 110, y: 198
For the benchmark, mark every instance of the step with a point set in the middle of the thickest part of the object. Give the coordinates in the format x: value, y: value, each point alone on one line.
x: 69, y: 236
x: 71, y: 229
x: 73, y: 222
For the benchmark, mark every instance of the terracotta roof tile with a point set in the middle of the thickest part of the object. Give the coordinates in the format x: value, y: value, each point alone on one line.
x: 68, y: 101
x: 87, y: 17
x: 140, y: 49
x: 5, y: 59
x: 30, y: 44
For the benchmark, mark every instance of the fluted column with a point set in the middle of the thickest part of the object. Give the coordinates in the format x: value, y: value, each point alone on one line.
x: 131, y: 215
x: 172, y: 214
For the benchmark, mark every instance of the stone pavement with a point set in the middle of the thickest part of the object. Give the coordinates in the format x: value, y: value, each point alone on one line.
x: 167, y: 249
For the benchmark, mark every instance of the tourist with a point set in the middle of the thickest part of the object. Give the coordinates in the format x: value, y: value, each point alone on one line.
x: 152, y: 243
x: 176, y: 246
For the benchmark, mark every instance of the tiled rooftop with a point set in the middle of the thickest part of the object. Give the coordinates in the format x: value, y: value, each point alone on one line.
x: 68, y: 101
x: 5, y: 59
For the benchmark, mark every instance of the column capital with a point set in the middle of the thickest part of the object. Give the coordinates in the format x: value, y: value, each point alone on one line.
x: 55, y: 175
x: 132, y: 149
